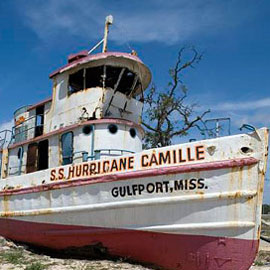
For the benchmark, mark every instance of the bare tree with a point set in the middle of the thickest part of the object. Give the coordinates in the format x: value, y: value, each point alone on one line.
x: 166, y: 113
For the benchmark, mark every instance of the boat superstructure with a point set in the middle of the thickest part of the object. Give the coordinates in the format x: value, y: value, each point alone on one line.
x: 92, y: 95
x: 74, y: 176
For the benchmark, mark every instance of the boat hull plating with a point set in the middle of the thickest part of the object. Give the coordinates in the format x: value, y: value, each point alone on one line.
x: 195, y: 206
x: 170, y: 251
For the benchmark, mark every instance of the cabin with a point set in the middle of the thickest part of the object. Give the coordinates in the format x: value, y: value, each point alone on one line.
x: 94, y: 113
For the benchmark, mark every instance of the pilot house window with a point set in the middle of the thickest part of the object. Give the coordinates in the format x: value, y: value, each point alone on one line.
x: 117, y: 78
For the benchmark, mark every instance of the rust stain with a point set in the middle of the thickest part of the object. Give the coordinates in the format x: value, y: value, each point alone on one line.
x: 238, y: 194
x: 240, y: 178
x: 232, y: 179
x: 48, y: 196
x: 259, y: 232
x: 22, y: 213
x: 6, y: 203
x: 201, y: 193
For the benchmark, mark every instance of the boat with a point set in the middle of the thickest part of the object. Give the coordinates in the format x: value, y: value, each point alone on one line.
x: 74, y: 176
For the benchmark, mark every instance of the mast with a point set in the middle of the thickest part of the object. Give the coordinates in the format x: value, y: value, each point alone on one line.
x: 108, y: 22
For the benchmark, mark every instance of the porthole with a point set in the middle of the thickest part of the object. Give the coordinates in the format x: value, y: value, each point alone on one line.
x: 132, y: 132
x: 112, y: 128
x: 87, y: 129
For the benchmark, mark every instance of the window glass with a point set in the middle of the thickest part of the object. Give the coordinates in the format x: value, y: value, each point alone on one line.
x: 20, y: 159
x: 94, y: 77
x: 76, y: 82
x: 126, y: 82
x: 112, y: 75
x: 67, y: 148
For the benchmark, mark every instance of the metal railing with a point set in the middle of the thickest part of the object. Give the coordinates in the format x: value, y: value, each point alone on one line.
x: 16, y: 170
x: 5, y: 137
x: 98, y: 153
x: 20, y: 131
x: 105, y: 152
x: 116, y: 152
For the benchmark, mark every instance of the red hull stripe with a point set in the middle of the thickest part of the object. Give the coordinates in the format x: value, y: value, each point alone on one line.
x: 169, y: 251
x: 206, y: 166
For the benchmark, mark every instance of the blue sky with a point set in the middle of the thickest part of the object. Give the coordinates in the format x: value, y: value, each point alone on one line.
x: 232, y: 80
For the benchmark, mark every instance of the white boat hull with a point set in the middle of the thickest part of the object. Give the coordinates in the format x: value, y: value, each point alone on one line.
x: 195, y: 206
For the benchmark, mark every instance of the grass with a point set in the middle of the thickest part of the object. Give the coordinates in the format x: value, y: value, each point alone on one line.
x: 13, y: 257
x: 35, y: 266
x: 259, y: 263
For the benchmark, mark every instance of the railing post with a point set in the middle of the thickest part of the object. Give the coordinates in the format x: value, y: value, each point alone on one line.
x: 85, y: 156
x: 97, y: 154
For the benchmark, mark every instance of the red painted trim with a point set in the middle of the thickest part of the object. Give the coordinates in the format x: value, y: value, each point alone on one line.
x: 94, y: 57
x: 217, y: 165
x: 75, y: 56
x: 168, y: 251
x: 40, y: 103
x: 68, y: 128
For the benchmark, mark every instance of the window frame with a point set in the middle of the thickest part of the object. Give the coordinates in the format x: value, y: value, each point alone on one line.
x: 70, y: 157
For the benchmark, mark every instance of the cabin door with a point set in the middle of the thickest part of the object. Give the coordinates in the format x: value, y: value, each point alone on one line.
x: 43, y: 155
x: 32, y: 152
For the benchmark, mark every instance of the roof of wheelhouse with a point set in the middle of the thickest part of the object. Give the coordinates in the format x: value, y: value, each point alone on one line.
x: 112, y: 58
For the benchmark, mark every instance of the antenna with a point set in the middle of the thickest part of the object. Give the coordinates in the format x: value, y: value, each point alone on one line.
x: 108, y: 22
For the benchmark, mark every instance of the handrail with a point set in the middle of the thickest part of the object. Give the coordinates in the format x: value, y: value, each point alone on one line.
x: 97, y: 153
x: 5, y: 139
x: 18, y: 172
x: 121, y: 150
x: 26, y: 120
x: 16, y: 132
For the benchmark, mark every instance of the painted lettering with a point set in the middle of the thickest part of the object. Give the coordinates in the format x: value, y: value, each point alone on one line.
x: 159, y: 187
x: 176, y: 156
x: 61, y: 175
x: 53, y: 176
x: 130, y: 163
x: 164, y: 158
x: 200, y: 152
x: 144, y: 161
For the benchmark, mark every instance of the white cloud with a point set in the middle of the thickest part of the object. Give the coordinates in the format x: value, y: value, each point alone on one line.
x: 6, y: 125
x: 243, y: 105
x: 254, y: 112
x: 143, y: 21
